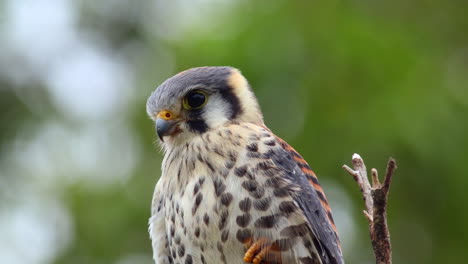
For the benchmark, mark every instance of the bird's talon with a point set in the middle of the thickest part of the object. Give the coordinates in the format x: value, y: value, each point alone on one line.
x: 260, y: 256
x: 256, y: 252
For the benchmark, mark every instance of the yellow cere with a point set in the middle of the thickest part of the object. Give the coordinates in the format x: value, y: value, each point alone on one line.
x: 166, y: 115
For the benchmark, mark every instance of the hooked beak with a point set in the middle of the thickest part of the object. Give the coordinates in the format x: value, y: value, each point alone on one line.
x: 164, y: 127
x: 165, y: 124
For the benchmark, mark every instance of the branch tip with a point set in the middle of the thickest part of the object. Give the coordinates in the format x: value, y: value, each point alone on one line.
x: 356, y: 156
x: 375, y: 177
x: 391, y: 167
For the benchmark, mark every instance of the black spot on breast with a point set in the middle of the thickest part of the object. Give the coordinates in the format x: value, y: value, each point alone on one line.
x: 219, y: 187
x: 159, y: 206
x: 307, y: 243
x: 199, y: 157
x: 274, y: 182
x: 252, y: 147
x: 224, y: 235
x: 266, y: 221
x: 229, y: 164
x: 254, y: 189
x: 219, y: 152
x: 245, y: 204
x: 181, y: 250
x: 201, y: 180
x: 244, y: 235
x: 243, y: 220
x: 223, y: 219
x: 232, y: 156
x: 177, y: 240
x: 287, y: 207
x: 197, y: 232
x: 209, y: 165
x: 254, y: 155
x: 295, y: 230
x: 198, y: 200
x: 224, y: 172
x: 226, y: 199
x: 196, y: 188
x: 250, y: 175
x: 188, y: 259
x: 241, y: 171
x: 270, y: 143
x: 265, y: 165
x: 258, y: 193
x: 250, y: 185
x: 262, y: 204
x: 254, y: 137
x: 282, y: 192
x: 206, y: 219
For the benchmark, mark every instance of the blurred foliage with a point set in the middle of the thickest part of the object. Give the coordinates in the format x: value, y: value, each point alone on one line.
x: 333, y: 78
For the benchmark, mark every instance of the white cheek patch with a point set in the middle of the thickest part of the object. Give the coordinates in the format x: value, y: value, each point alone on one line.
x: 216, y: 111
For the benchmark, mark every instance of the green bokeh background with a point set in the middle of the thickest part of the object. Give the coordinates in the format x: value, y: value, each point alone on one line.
x: 380, y: 78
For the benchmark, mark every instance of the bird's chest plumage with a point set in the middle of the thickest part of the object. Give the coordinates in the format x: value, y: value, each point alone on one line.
x: 202, y: 202
x: 222, y: 193
x: 198, y: 223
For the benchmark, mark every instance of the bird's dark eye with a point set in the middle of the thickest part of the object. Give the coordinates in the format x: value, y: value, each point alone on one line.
x: 194, y: 100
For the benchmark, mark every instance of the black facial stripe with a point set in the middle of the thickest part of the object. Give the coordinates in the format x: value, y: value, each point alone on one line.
x: 197, y: 125
x: 196, y: 122
x: 228, y: 95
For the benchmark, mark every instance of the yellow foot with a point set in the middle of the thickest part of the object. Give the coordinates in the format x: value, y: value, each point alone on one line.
x: 260, y: 252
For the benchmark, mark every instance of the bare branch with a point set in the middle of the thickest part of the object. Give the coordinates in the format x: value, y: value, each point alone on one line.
x: 375, y: 199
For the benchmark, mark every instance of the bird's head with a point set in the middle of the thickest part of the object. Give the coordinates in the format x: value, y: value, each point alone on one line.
x: 200, y: 99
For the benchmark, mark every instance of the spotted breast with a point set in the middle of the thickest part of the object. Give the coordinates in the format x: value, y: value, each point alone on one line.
x: 217, y: 208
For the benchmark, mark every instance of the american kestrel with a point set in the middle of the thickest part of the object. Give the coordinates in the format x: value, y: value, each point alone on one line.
x: 231, y: 191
